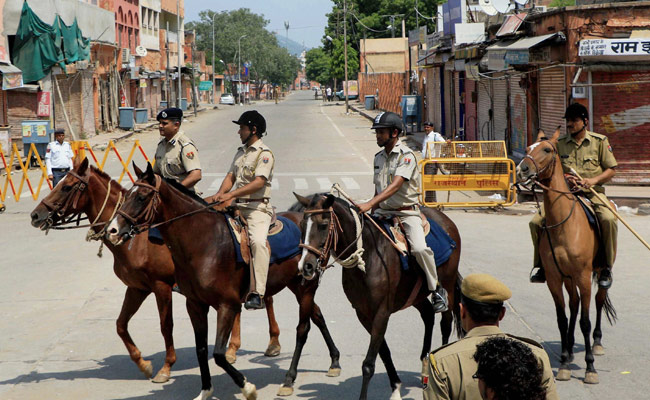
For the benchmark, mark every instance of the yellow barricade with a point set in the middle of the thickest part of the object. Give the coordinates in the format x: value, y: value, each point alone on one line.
x: 24, y: 166
x: 481, y: 166
x: 83, y: 147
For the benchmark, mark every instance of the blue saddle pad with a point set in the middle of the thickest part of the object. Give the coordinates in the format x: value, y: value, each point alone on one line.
x: 438, y: 240
x: 284, y: 244
x: 590, y: 215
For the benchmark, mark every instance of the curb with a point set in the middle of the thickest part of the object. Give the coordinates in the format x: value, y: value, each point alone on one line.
x: 362, y: 112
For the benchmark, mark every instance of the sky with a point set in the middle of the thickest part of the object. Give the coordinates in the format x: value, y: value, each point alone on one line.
x: 306, y: 18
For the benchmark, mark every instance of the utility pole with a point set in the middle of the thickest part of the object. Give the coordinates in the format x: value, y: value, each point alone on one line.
x: 180, y: 51
x: 345, y: 52
x: 212, y: 86
x: 167, y: 76
x: 392, y: 26
x: 239, y: 67
x: 194, y: 100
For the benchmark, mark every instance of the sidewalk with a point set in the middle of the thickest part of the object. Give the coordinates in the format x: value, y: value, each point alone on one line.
x: 635, y: 197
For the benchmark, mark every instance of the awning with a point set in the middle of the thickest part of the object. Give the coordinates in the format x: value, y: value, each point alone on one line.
x: 534, y: 41
x: 9, y: 69
x: 511, y: 24
x: 505, y: 53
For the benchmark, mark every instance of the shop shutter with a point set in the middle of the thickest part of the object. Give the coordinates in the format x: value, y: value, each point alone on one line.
x: 437, y: 100
x: 471, y: 101
x: 3, y: 109
x: 449, y: 96
x: 457, y: 102
x: 70, y: 87
x: 431, y: 96
x: 518, y: 121
x: 552, y: 100
x: 500, y: 102
x: 484, y: 105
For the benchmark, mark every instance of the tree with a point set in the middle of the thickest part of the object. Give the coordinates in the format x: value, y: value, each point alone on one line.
x: 562, y: 3
x: 337, y: 62
x: 318, y: 66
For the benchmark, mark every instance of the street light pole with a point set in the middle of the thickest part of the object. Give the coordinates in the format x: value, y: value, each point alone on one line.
x: 213, y: 58
x: 180, y: 53
x: 345, y: 52
x: 239, y: 67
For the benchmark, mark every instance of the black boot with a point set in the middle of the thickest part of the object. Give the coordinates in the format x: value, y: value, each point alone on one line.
x: 605, y: 278
x: 539, y: 276
x: 254, y: 302
x: 439, y: 300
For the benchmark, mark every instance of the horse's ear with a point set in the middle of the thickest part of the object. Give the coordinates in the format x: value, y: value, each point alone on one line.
x: 329, y: 201
x: 138, y: 171
x: 540, y: 135
x: 301, y: 199
x: 82, y: 167
x: 556, y: 134
x: 76, y: 160
x: 149, y: 174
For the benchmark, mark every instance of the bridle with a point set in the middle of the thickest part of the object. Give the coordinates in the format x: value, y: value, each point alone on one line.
x: 147, y: 213
x: 60, y: 209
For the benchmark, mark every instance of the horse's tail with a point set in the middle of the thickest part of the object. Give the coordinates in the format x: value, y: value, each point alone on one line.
x: 610, y: 311
x: 456, y: 307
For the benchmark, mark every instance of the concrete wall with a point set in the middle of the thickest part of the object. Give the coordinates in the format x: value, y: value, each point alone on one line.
x: 384, y: 55
x: 94, y: 22
x: 149, y: 34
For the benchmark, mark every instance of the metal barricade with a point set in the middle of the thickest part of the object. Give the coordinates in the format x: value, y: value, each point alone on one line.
x: 481, y: 167
x: 24, y: 168
x: 83, y: 147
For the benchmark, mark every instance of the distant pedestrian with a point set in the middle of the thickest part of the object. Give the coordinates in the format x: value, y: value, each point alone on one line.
x: 329, y: 93
x: 431, y: 136
x: 58, y: 157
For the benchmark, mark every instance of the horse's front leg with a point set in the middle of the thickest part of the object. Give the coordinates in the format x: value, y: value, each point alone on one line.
x: 318, y: 319
x: 306, y: 301
x: 555, y: 287
x: 377, y: 329
x: 574, y: 307
x: 198, y: 313
x: 163, y: 293
x: 235, y: 340
x: 273, y: 349
x: 133, y: 299
x: 428, y: 317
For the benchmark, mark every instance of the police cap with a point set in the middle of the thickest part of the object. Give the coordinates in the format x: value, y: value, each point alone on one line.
x: 59, y: 131
x: 252, y: 119
x: 485, y: 288
x: 428, y: 124
x: 170, y: 113
x: 388, y: 120
x: 576, y: 110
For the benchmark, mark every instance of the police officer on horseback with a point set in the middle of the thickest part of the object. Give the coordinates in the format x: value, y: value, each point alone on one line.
x: 591, y: 156
x: 250, y: 177
x: 396, y: 180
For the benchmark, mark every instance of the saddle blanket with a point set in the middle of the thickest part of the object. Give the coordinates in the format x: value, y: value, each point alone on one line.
x: 284, y: 244
x: 591, y: 216
x: 438, y: 240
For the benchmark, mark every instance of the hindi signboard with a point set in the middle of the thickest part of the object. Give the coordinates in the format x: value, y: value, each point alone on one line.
x: 624, y: 50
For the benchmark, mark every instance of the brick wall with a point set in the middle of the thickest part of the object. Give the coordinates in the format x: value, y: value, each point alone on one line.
x: 70, y: 87
x: 391, y: 89
x: 622, y: 112
x: 20, y: 106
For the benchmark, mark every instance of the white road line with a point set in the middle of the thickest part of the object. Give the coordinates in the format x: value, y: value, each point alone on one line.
x: 300, y: 184
x: 350, y: 183
x: 364, y: 159
x: 324, y: 183
x: 215, y: 184
x: 275, y: 185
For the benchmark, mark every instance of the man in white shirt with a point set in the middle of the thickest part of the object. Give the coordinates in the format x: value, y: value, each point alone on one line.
x: 431, y: 136
x: 58, y: 158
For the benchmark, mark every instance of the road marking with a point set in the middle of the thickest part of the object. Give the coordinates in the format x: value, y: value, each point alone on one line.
x: 352, y: 146
x: 350, y: 183
x: 300, y: 184
x: 324, y: 183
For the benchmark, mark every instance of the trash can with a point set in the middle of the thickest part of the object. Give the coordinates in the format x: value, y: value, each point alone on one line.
x: 370, y: 102
x: 183, y: 104
x: 163, y: 104
x: 126, y: 117
x: 141, y: 115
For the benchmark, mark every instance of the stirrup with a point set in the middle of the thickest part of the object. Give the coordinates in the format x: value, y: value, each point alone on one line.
x: 605, y: 278
x: 439, y: 300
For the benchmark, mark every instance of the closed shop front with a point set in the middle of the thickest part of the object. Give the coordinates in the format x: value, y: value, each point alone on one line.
x: 431, y: 101
x: 552, y: 100
x: 518, y: 121
x: 500, y: 106
x: 449, y: 96
x: 484, y: 109
x: 470, y: 109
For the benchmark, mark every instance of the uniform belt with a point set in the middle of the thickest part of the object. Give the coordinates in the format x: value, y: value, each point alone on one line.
x: 406, y: 208
x: 61, y: 169
x: 251, y: 200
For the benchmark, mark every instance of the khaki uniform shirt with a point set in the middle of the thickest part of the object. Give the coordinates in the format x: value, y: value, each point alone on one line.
x: 589, y: 158
x: 250, y: 162
x: 176, y: 158
x: 451, y: 367
x: 400, y: 162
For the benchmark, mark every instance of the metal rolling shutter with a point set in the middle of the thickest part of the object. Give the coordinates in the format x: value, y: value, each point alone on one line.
x: 552, y: 100
x: 470, y: 109
x: 3, y: 109
x: 500, y: 117
x: 518, y: 122
x: 483, y: 109
x: 436, y: 100
x: 457, y: 101
x: 431, y: 95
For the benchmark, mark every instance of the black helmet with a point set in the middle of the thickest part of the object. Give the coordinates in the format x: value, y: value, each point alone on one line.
x: 576, y: 110
x: 388, y: 120
x: 253, y: 119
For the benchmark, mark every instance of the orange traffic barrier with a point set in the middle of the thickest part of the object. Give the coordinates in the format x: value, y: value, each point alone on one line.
x: 24, y: 167
x: 83, y: 146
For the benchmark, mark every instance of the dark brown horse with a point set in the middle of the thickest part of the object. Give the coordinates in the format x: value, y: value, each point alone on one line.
x: 144, y: 269
x: 568, y: 249
x: 329, y: 227
x: 208, y: 274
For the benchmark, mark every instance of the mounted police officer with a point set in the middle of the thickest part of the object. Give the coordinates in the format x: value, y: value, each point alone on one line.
x: 58, y: 157
x: 248, y: 183
x: 176, y: 155
x: 591, y: 156
x: 450, y: 369
x: 396, y: 181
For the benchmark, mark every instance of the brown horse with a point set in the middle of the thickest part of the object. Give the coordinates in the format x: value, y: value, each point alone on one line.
x: 330, y: 226
x: 144, y: 269
x: 568, y: 248
x: 208, y: 274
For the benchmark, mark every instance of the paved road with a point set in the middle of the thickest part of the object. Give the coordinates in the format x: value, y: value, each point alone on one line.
x: 59, y: 301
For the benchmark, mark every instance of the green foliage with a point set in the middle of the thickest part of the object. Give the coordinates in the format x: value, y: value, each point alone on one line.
x: 318, y: 66
x: 562, y: 3
x: 337, y: 61
x: 260, y: 46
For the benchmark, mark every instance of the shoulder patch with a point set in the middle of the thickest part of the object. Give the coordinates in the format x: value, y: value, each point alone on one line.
x: 525, y: 340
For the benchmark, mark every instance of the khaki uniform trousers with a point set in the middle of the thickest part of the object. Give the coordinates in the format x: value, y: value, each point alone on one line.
x: 608, y: 229
x: 415, y: 235
x: 258, y: 220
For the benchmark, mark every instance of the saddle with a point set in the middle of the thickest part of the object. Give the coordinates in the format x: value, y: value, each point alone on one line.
x: 239, y: 228
x: 399, y: 233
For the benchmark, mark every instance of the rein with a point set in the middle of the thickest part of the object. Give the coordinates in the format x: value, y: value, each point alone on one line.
x: 60, y: 209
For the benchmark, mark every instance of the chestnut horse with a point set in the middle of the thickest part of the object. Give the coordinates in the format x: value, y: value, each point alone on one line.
x: 147, y: 268
x: 209, y: 275
x: 568, y: 249
x: 330, y: 226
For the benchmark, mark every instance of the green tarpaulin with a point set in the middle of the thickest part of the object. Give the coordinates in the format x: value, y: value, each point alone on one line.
x: 39, y: 46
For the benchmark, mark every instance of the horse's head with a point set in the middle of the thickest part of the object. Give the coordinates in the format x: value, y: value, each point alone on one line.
x: 67, y: 198
x: 139, y: 208
x: 540, y: 158
x: 319, y: 228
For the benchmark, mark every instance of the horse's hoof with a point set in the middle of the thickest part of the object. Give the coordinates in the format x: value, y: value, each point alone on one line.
x: 395, y: 395
x: 285, y: 391
x: 231, y: 358
x: 161, y: 377
x: 249, y: 391
x: 563, y: 374
x: 591, y: 378
x: 273, y: 350
x: 146, y: 368
x: 205, y: 395
x: 334, y: 372
x: 598, y: 350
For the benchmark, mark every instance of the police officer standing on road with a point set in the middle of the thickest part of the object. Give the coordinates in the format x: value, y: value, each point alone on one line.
x: 450, y: 368
x: 58, y: 157
x: 397, y: 194
x: 249, y: 178
x: 176, y: 155
x: 591, y: 156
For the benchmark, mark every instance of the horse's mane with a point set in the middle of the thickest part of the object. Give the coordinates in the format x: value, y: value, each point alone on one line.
x: 107, y: 177
x: 185, y: 190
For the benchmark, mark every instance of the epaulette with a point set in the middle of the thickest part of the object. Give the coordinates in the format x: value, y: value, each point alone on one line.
x: 443, y: 347
x: 377, y: 153
x: 598, y: 136
x: 526, y: 340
